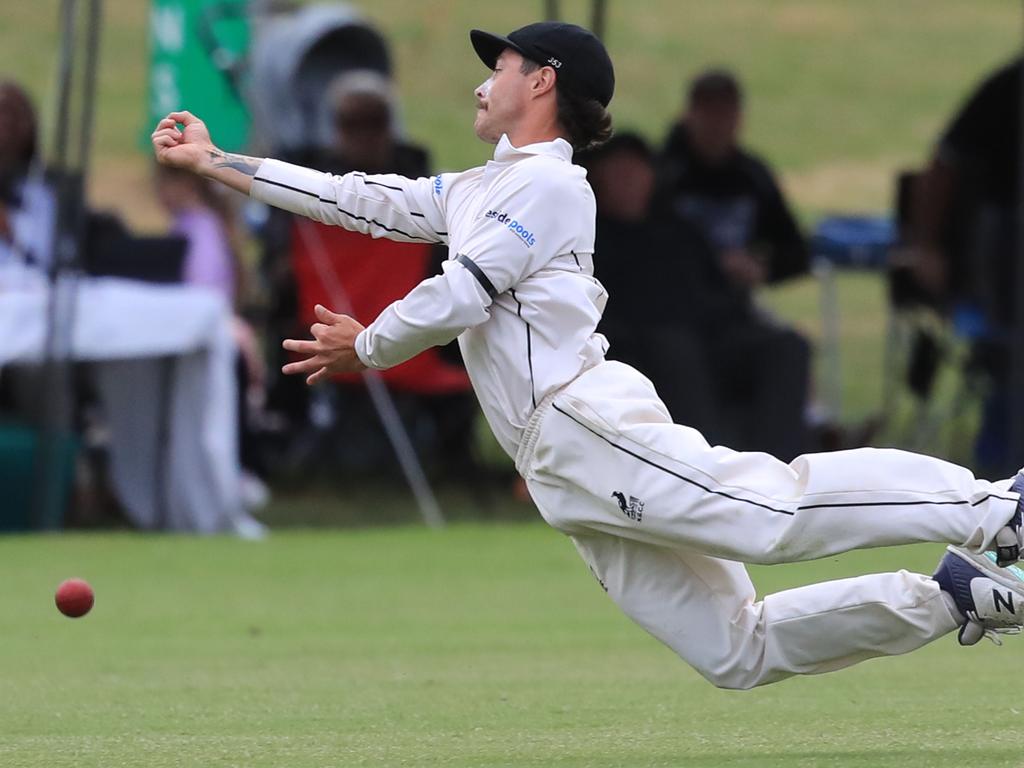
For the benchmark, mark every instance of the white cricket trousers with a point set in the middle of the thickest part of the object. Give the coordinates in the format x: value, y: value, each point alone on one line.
x: 665, y: 522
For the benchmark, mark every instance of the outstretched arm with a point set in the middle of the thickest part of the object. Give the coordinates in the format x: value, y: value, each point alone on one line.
x: 192, y: 149
x: 379, y: 205
x: 385, y: 205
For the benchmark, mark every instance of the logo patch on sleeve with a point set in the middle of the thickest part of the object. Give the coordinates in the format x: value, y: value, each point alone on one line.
x: 514, y: 226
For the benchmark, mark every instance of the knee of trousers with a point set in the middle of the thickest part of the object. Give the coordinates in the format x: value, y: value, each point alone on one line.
x: 731, y: 682
x: 734, y: 667
x: 726, y: 647
x: 775, y: 545
x: 779, y: 539
x: 773, y: 553
x: 730, y: 662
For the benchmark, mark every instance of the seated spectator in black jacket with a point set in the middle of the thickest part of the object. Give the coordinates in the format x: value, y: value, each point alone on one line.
x: 674, y: 312
x: 731, y: 197
x: 652, y: 320
x: 726, y: 192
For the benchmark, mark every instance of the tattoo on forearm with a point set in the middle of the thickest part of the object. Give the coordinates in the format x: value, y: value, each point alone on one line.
x: 240, y: 163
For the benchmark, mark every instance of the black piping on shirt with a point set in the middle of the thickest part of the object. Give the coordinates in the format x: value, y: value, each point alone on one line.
x: 529, y: 347
x: 353, y: 215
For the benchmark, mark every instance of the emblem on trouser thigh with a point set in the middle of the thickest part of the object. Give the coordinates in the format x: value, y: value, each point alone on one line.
x: 633, y: 509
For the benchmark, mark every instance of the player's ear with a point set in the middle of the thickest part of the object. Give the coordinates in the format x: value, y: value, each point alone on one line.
x: 543, y: 81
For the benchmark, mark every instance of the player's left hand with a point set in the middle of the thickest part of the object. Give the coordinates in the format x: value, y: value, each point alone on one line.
x: 331, y: 351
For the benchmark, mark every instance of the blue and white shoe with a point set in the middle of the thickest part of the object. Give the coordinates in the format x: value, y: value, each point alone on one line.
x: 991, y: 598
x: 1010, y: 540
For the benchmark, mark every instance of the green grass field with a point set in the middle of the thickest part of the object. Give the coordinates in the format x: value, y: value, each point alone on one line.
x: 476, y: 646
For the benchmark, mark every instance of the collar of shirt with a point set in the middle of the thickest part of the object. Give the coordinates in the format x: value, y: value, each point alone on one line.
x: 504, y: 152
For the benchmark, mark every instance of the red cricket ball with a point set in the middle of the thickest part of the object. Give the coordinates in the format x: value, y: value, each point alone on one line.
x: 74, y: 598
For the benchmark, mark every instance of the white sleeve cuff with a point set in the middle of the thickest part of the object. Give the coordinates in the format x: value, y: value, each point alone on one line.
x: 254, y: 187
x: 362, y: 352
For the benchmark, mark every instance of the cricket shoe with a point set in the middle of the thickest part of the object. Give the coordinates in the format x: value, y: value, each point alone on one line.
x: 1010, y: 539
x: 990, y: 598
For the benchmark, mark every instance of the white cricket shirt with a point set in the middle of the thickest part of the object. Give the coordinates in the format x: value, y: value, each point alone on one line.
x: 518, y: 289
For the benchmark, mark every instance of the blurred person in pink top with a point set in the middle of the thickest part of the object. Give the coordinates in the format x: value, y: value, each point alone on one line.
x: 204, y: 218
x: 200, y: 216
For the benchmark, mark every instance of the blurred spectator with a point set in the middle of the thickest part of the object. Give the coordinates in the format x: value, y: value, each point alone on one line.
x: 27, y: 205
x: 18, y: 130
x: 673, y: 311
x: 432, y: 390
x: 366, y: 127
x: 965, y: 231
x: 366, y: 137
x: 732, y: 199
x: 726, y: 192
x: 363, y: 115
x: 204, y: 218
x: 651, y: 266
x: 966, y: 200
x: 27, y: 210
x: 199, y: 215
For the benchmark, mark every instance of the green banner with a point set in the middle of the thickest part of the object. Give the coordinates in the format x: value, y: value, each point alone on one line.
x: 196, y: 49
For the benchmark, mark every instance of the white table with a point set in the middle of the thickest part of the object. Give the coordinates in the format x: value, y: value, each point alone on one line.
x: 164, y: 363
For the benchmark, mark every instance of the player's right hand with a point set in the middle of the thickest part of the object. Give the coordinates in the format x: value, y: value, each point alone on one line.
x: 189, y: 148
x: 332, y: 349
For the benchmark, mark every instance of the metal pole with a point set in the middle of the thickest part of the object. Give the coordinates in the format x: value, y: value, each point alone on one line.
x: 551, y: 10
x: 92, y: 45
x: 597, y: 17
x: 430, y: 511
x: 67, y: 165
x: 825, y: 271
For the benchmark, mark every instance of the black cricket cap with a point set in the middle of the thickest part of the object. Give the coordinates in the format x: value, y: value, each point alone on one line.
x: 579, y: 58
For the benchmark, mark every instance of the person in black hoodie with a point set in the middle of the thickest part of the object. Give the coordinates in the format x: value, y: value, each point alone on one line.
x: 674, y: 313
x: 655, y: 267
x: 729, y: 194
x: 731, y: 199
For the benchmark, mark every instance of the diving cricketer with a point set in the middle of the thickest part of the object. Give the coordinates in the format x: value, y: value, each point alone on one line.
x: 664, y: 521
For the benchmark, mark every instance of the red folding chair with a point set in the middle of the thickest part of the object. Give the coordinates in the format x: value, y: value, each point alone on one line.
x: 372, y: 273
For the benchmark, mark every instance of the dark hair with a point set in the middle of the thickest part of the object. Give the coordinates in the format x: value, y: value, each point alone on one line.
x: 715, y: 86
x: 586, y: 121
x: 15, y: 99
x: 627, y: 143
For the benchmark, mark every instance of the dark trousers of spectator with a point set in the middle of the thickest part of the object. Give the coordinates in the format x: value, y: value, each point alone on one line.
x: 744, y: 385
x: 250, y: 449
